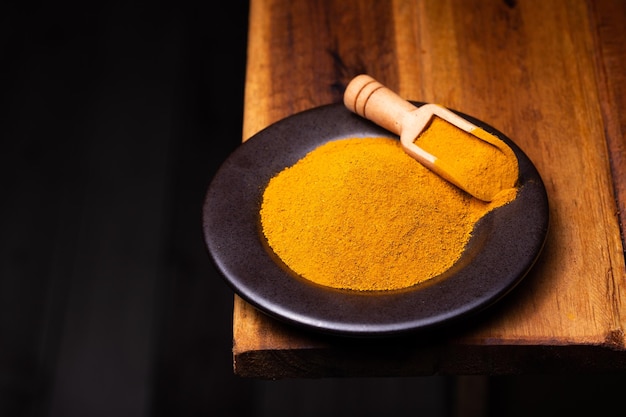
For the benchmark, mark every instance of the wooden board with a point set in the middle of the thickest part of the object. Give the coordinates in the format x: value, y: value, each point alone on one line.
x: 549, y: 74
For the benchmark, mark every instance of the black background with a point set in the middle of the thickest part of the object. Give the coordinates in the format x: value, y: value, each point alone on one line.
x: 114, y: 117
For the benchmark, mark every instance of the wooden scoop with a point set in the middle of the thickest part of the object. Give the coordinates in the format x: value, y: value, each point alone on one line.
x: 370, y: 99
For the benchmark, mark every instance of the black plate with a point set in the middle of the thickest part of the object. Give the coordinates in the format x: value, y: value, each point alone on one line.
x: 504, y: 246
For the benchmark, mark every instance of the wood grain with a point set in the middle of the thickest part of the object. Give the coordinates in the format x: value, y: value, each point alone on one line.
x: 546, y: 73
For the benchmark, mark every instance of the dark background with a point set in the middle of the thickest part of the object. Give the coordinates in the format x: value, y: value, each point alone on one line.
x: 114, y: 117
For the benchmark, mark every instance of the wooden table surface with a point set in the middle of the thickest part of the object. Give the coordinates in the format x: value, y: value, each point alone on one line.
x: 547, y: 73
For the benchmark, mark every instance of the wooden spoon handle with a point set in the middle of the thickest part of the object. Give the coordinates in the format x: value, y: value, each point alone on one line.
x: 370, y: 99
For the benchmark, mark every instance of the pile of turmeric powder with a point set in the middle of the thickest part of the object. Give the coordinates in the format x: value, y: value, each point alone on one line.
x: 361, y: 214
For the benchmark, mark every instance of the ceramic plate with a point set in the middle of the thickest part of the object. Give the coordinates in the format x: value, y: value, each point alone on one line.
x: 504, y: 245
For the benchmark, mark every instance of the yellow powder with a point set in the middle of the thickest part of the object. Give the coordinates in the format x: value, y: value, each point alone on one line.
x: 465, y: 157
x: 361, y: 214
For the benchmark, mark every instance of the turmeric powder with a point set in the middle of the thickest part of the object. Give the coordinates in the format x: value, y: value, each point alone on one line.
x: 474, y: 155
x: 360, y: 214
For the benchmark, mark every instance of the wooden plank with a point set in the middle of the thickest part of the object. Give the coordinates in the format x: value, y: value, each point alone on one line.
x: 610, y: 32
x: 532, y: 70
